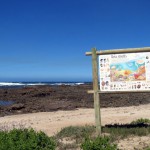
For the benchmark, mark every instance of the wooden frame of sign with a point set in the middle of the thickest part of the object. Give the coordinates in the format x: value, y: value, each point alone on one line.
x: 96, y: 90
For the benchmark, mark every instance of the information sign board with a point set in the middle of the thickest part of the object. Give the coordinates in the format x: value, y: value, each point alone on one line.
x: 124, y: 72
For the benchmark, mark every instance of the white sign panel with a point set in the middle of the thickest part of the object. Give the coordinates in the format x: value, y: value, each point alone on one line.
x: 124, y: 72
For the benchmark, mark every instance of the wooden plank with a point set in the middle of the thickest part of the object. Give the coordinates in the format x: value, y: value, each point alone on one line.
x: 118, y: 92
x: 123, y: 92
x: 90, y: 91
x: 95, y: 70
x: 96, y: 95
x: 120, y: 51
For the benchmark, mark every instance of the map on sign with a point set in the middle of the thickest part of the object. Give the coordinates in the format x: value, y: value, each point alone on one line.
x: 124, y: 72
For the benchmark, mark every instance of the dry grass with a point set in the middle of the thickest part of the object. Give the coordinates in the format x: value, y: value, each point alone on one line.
x: 72, y: 137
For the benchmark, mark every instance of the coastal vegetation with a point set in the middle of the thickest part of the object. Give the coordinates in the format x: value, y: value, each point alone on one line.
x: 74, y: 137
x: 84, y: 137
x: 25, y: 139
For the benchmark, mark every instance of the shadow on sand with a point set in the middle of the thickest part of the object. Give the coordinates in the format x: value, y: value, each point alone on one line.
x: 138, y: 125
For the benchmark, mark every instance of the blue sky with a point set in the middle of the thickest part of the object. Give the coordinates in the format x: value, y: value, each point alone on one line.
x: 46, y: 40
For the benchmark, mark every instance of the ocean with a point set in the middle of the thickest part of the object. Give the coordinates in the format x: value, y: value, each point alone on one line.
x: 24, y: 84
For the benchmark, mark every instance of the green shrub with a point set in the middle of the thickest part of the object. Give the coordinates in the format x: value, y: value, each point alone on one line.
x: 77, y: 132
x: 99, y: 143
x: 142, y: 120
x: 25, y: 139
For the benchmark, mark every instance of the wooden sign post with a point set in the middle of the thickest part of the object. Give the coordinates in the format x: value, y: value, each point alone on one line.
x: 96, y: 94
x: 96, y: 88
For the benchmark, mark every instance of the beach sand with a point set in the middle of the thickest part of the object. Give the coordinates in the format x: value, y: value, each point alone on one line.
x: 53, y: 122
x: 51, y: 108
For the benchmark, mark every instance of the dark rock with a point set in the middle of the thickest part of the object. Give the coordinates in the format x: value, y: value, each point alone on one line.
x: 16, y: 106
x: 53, y: 98
x: 41, y: 95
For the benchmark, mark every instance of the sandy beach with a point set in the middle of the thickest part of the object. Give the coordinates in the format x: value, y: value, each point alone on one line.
x: 51, y: 108
x: 53, y: 122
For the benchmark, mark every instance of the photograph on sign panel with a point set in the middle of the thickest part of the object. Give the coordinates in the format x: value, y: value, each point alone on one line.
x: 133, y: 70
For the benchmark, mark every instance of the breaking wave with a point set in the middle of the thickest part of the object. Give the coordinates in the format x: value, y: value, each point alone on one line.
x: 41, y: 83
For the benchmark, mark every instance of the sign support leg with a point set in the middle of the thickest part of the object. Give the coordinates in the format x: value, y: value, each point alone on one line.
x: 96, y: 94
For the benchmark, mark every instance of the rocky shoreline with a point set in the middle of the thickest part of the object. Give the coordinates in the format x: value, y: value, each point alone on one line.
x: 33, y: 99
